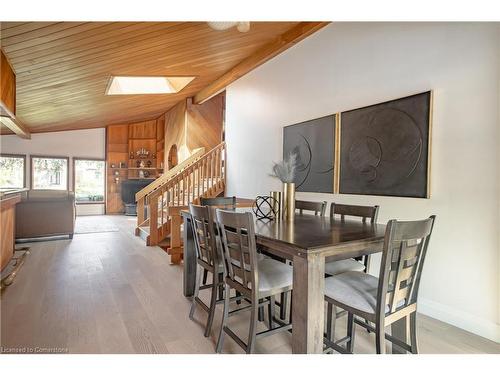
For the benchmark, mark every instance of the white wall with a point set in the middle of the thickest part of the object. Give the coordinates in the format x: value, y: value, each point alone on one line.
x: 349, y: 65
x: 88, y: 143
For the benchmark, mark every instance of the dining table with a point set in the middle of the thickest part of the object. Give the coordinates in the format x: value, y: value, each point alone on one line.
x: 308, y: 241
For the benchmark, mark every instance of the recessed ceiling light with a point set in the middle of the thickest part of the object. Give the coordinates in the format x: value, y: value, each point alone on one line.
x: 123, y: 85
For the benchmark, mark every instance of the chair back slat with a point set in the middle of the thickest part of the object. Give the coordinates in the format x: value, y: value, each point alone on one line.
x: 204, y: 235
x: 222, y: 202
x: 363, y: 212
x: 319, y: 208
x: 405, y: 247
x: 239, y: 249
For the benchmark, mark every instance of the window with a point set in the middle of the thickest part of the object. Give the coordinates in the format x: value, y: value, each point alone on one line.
x: 123, y: 85
x: 88, y: 180
x: 12, y: 171
x: 48, y: 172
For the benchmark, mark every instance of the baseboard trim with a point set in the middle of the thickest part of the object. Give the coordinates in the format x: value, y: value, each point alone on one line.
x: 461, y: 319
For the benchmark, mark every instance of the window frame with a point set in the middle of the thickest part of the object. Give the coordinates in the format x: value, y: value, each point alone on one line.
x: 32, y: 174
x: 20, y: 156
x: 74, y: 179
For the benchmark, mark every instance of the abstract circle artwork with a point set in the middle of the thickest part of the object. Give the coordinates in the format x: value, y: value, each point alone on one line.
x: 313, y: 142
x: 384, y: 148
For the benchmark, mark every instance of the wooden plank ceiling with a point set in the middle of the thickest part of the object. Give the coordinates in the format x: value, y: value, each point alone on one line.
x: 63, y: 68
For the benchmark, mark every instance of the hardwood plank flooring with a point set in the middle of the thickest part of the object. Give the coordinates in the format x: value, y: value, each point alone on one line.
x: 109, y: 293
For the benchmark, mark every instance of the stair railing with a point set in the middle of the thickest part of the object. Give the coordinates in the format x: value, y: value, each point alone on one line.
x: 198, y: 176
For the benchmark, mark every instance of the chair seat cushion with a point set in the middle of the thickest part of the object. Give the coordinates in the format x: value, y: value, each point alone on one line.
x: 354, y: 289
x: 341, y: 266
x: 274, y: 277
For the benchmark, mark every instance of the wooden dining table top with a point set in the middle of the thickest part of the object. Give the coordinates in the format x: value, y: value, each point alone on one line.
x: 311, y: 233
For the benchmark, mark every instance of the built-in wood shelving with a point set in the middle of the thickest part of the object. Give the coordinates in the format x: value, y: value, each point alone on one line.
x: 123, y: 142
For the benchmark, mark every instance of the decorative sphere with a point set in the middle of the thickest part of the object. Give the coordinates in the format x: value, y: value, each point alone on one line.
x: 264, y: 207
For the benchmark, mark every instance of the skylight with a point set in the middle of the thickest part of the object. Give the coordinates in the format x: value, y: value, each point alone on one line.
x: 123, y: 85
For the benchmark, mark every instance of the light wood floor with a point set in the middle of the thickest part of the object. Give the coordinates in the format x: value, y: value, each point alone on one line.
x: 109, y: 293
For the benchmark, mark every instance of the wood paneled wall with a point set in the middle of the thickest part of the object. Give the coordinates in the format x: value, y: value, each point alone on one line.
x: 7, y: 84
x: 205, y: 122
x: 190, y: 126
x: 175, y: 129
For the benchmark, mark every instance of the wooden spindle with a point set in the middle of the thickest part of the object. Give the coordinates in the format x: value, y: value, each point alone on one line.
x: 217, y: 163
x: 140, y: 211
x: 153, y: 219
x: 211, y: 170
x: 183, y: 182
x: 224, y: 166
x: 203, y: 176
x: 189, y: 185
x: 198, y: 180
x: 186, y: 188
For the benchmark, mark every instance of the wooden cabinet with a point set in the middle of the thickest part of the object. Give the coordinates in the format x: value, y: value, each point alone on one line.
x: 7, y: 226
x: 123, y: 142
x: 142, y: 130
x: 116, y: 171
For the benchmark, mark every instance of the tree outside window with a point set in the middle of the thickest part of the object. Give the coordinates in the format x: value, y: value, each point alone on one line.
x: 49, y: 173
x: 12, y: 171
x: 89, y: 180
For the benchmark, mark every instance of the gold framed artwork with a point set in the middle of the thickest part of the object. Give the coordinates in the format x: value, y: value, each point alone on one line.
x: 381, y: 149
x: 385, y: 148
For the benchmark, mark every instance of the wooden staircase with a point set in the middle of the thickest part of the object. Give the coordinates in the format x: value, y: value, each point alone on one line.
x: 159, y: 204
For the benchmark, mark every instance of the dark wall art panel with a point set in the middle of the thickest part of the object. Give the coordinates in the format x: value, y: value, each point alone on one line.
x: 384, y: 148
x: 314, y: 143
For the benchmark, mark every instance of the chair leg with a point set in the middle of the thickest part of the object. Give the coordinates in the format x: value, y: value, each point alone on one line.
x: 213, y: 301
x: 366, y: 262
x: 283, y: 302
x: 351, y: 330
x: 205, y: 276
x: 413, y: 333
x: 270, y: 311
x: 225, y: 314
x: 368, y: 323
x: 380, y: 339
x: 196, y: 292
x: 238, y: 294
x: 331, y: 319
x: 261, y: 312
x: 253, y: 326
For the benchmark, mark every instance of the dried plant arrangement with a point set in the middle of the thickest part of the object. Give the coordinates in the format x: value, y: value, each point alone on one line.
x: 285, y: 170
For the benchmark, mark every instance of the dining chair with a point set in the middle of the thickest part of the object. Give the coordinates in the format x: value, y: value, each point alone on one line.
x: 364, y: 213
x: 340, y: 211
x: 390, y: 297
x: 259, y: 280
x: 208, y: 259
x: 319, y: 208
x: 223, y: 202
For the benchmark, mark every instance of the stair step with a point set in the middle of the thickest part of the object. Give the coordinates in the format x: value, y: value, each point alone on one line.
x: 143, y: 232
x: 164, y: 243
x: 144, y: 229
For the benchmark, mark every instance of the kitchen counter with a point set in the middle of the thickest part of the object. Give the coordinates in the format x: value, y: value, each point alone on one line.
x: 8, y: 200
